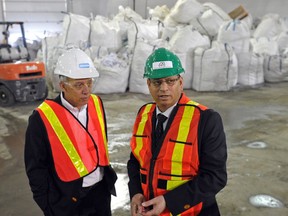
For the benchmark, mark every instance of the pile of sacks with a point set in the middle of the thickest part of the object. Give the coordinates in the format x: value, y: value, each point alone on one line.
x: 219, y: 50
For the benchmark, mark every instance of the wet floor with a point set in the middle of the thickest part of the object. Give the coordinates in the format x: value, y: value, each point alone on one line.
x: 256, y: 125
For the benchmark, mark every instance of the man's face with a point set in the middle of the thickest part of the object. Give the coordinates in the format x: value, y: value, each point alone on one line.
x: 166, y: 91
x: 77, y: 91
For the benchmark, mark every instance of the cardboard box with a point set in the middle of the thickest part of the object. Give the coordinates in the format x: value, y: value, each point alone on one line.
x: 238, y: 13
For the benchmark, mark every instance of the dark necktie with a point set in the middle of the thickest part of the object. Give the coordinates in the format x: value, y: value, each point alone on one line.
x: 159, y: 128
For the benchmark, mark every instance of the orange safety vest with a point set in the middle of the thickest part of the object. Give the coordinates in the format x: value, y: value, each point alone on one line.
x: 77, y: 151
x: 178, y: 159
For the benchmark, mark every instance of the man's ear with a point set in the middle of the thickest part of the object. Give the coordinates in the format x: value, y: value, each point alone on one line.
x: 62, y: 86
x: 148, y: 82
x: 181, y: 80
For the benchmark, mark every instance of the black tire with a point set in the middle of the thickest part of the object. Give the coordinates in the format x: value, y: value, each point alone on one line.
x: 6, y: 97
x: 45, y: 95
x: 46, y: 92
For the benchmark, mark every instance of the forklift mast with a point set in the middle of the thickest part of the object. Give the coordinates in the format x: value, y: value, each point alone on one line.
x: 21, y: 79
x: 6, y: 34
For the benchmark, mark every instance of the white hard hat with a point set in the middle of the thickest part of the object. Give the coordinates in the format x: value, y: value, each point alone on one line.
x: 76, y: 64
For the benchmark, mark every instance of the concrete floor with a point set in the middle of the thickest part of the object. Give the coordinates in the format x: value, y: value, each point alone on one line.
x: 253, y: 118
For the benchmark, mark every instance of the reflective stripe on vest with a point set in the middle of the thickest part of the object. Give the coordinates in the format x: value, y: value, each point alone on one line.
x: 178, y: 159
x: 140, y: 132
x: 96, y: 124
x: 74, y: 149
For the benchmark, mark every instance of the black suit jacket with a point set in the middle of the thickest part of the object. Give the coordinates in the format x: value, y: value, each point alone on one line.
x: 212, y: 175
x: 53, y: 196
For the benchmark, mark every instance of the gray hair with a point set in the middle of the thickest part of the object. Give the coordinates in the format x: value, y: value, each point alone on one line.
x: 62, y: 78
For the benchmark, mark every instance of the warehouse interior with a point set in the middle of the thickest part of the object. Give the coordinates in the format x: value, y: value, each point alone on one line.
x: 235, y: 55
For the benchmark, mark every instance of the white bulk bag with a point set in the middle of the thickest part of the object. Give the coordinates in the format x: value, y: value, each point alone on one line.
x: 106, y: 33
x: 185, y: 10
x: 167, y: 32
x: 284, y: 23
x: 215, y: 69
x: 264, y: 46
x: 123, y: 18
x: 51, y: 50
x: 269, y: 26
x: 76, y: 29
x: 249, y: 21
x: 137, y: 83
x: 170, y: 22
x: 183, y: 43
x: 113, y: 71
x: 53, y: 58
x: 187, y: 38
x: 96, y: 52
x: 187, y: 64
x: 146, y: 30
x: 209, y: 21
x: 276, y: 68
x: 236, y: 33
x: 159, y: 12
x: 127, y: 13
x: 282, y: 41
x: 250, y: 69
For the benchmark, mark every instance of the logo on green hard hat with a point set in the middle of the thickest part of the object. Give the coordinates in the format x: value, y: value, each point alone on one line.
x: 162, y: 63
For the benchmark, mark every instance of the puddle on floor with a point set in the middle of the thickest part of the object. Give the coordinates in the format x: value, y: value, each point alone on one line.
x: 257, y: 145
x: 263, y: 200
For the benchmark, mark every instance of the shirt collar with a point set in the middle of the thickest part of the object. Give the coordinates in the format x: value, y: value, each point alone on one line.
x: 167, y: 112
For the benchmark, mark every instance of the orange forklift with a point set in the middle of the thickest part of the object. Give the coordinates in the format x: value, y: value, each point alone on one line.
x: 21, y: 80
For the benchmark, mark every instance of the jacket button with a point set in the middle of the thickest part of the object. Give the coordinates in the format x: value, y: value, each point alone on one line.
x: 187, y: 206
x: 74, y: 199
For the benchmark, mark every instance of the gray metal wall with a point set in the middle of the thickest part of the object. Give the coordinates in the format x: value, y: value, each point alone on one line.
x: 45, y: 15
x: 257, y: 8
x: 39, y: 15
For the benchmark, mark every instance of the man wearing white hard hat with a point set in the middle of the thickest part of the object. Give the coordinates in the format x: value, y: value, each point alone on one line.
x: 66, y: 154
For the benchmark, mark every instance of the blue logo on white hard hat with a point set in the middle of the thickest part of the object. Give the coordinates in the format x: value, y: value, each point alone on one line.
x: 84, y: 65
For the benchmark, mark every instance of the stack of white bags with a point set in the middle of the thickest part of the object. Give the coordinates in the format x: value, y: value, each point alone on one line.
x: 217, y: 52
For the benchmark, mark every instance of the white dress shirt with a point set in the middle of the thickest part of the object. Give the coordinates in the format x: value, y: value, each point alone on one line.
x: 81, y: 115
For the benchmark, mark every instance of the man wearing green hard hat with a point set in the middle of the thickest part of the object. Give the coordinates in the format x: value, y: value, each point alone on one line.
x: 178, y: 154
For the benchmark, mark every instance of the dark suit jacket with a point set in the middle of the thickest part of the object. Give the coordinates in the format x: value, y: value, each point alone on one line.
x: 53, y: 196
x: 212, y: 175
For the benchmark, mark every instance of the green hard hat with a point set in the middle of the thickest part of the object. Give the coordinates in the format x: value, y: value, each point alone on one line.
x: 162, y: 63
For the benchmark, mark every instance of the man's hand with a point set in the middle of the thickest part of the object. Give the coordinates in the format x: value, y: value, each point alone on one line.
x: 158, y: 204
x: 136, y: 205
